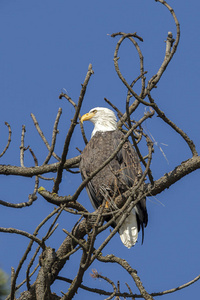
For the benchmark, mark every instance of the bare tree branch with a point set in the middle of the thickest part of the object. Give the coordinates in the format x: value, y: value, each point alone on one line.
x: 83, y: 236
x: 113, y: 259
x: 173, y: 176
x: 38, y: 170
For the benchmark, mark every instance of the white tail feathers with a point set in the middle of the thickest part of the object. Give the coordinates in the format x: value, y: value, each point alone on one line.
x: 129, y: 230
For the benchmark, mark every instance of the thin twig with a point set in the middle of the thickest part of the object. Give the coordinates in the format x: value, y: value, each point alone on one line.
x: 130, y: 37
x: 95, y: 274
x: 127, y: 35
x: 65, y: 257
x: 36, y: 177
x: 32, y: 273
x: 28, y: 275
x: 130, y: 291
x: 58, y: 200
x: 77, y: 280
x: 174, y: 126
x: 134, y: 142
x: 9, y: 139
x: 92, y: 236
x: 20, y: 205
x: 24, y: 233
x: 113, y: 259
x: 54, y: 135
x: 22, y: 148
x: 71, y: 130
x: 130, y: 295
x: 168, y: 56
x: 116, y: 58
x: 55, y: 211
x: 79, y: 116
x: 42, y: 136
x: 75, y: 239
x: 177, y: 288
x: 119, y: 113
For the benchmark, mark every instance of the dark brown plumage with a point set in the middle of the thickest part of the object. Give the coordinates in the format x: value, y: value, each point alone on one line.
x: 122, y: 172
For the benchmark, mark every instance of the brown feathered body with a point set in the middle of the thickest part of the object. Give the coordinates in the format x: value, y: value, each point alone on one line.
x: 123, y: 172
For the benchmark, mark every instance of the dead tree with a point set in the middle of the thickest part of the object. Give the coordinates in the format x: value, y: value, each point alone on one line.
x: 48, y: 262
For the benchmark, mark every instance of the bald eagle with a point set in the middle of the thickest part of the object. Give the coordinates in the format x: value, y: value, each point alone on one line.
x: 115, y: 178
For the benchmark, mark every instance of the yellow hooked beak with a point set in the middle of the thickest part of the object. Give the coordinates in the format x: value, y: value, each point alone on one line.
x: 87, y: 117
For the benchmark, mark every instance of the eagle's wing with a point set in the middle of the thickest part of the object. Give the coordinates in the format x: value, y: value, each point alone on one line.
x: 90, y: 189
x: 131, y: 174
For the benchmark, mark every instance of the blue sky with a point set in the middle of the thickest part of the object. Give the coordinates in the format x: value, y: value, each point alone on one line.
x: 45, y: 47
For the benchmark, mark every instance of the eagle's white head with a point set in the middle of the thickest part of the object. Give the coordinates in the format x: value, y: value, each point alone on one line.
x: 103, y: 119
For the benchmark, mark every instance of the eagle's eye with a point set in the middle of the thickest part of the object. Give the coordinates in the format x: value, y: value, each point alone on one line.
x: 94, y: 111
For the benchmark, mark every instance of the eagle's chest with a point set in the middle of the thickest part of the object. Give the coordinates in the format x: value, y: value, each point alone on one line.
x: 97, y: 151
